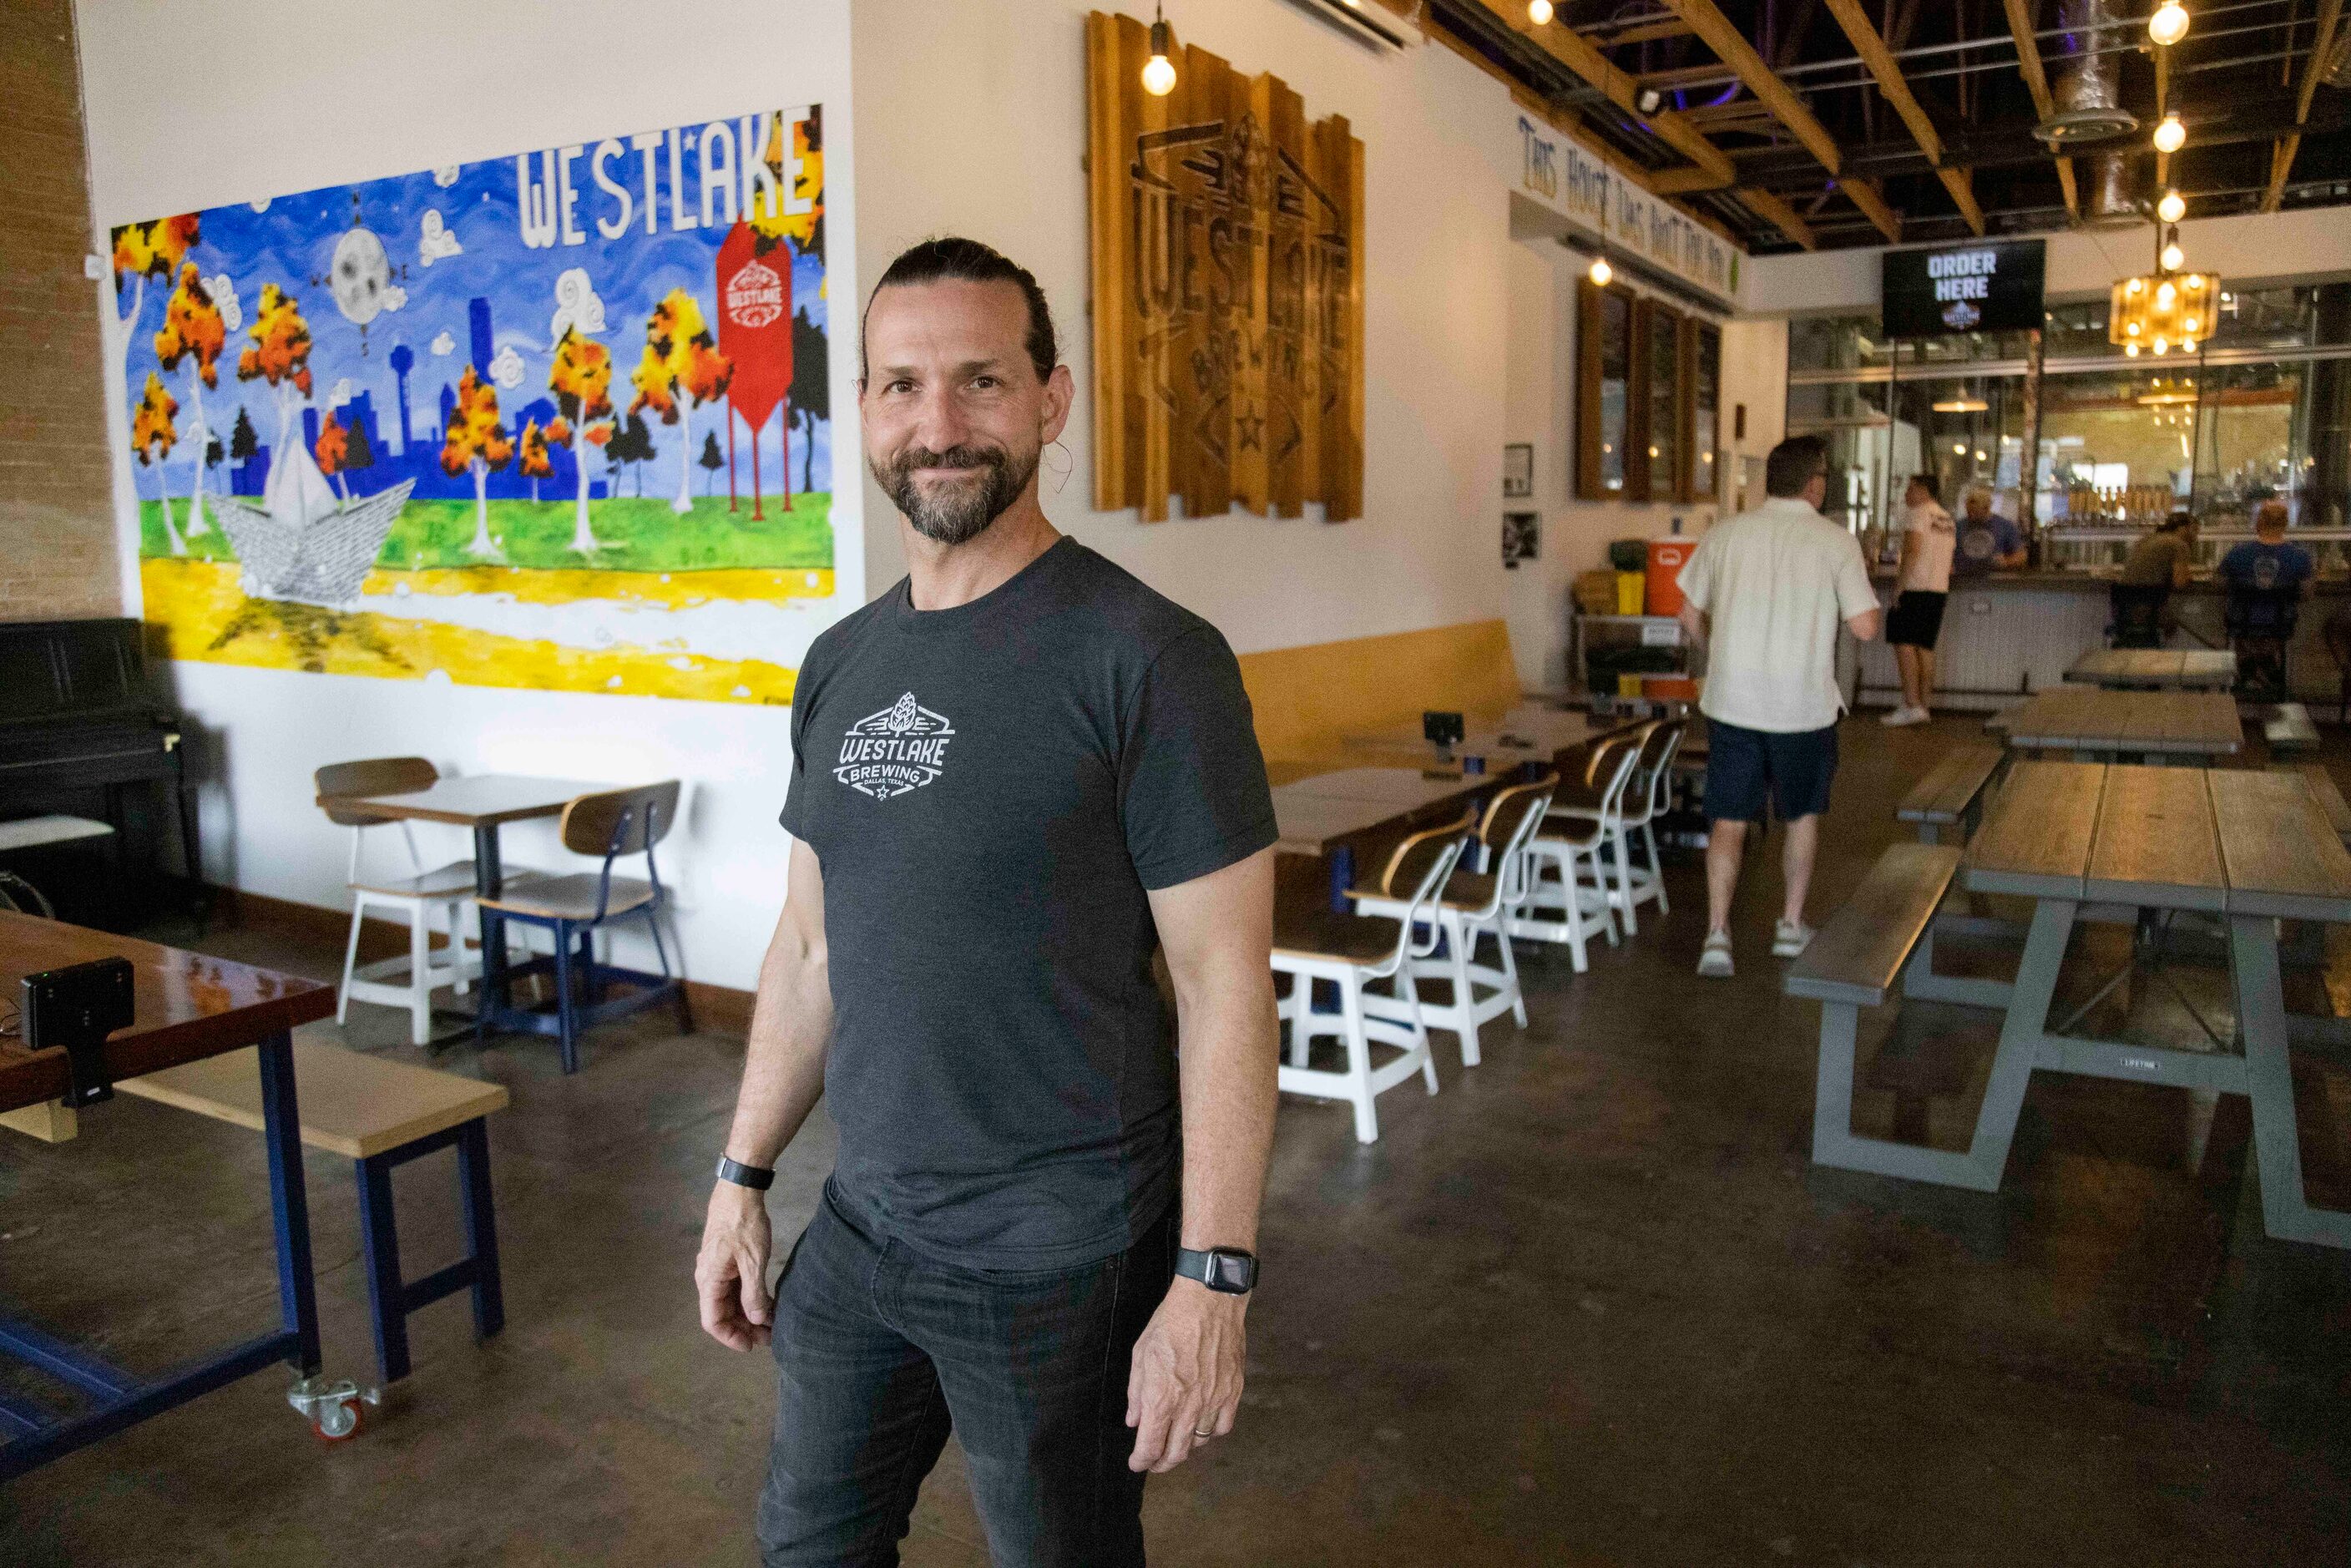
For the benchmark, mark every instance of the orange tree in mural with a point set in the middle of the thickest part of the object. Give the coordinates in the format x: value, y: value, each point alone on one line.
x: 142, y: 251
x: 333, y: 451
x: 582, y: 379
x: 680, y: 371
x: 535, y: 465
x: 152, y: 436
x: 279, y: 355
x: 772, y: 220
x: 478, y: 442
x: 194, y: 332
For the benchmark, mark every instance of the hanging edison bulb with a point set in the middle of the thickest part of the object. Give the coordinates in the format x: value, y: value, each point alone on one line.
x: 2172, y: 208
x: 2172, y: 256
x: 1600, y: 271
x: 1539, y: 11
x: 2171, y: 135
x: 2169, y: 23
x: 1159, y: 71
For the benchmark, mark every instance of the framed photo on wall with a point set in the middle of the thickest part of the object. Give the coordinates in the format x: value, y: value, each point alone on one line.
x: 1521, y: 539
x: 1518, y: 470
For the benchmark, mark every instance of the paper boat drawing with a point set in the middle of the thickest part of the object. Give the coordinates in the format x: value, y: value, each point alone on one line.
x: 303, y: 542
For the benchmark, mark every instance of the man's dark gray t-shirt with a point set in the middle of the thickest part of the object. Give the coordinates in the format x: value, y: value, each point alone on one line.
x: 990, y: 790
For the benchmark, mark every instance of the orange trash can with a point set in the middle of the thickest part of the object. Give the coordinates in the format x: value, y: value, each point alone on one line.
x: 1666, y: 558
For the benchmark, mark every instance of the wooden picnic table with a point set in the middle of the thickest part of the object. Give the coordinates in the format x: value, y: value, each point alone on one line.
x: 2246, y: 847
x: 2155, y: 669
x: 1523, y: 734
x: 2102, y: 726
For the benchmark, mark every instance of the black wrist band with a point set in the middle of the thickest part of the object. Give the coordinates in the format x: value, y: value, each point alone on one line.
x: 757, y: 1178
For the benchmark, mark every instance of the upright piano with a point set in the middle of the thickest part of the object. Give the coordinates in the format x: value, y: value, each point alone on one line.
x: 80, y: 721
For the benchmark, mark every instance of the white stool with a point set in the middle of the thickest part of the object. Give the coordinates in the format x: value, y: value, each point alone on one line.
x: 448, y: 887
x: 1559, y: 902
x: 1353, y: 952
x: 1646, y: 800
x: 1473, y: 904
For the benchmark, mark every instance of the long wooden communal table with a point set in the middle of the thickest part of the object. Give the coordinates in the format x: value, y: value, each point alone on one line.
x: 188, y: 1007
x: 2248, y: 847
x: 2099, y: 726
x: 1522, y: 735
x: 2155, y: 669
x: 1324, y: 815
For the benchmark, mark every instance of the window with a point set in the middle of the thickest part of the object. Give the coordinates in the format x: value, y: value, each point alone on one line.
x: 1604, y: 403
x: 1657, y: 445
x: 1703, y: 343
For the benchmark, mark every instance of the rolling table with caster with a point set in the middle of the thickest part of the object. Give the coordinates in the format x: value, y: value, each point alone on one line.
x: 189, y: 1007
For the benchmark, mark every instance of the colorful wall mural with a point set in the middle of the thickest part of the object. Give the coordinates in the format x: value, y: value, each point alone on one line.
x: 557, y: 421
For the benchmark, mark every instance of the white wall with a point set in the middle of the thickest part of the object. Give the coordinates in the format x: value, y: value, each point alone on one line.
x: 2276, y: 247
x: 972, y: 120
x: 200, y: 102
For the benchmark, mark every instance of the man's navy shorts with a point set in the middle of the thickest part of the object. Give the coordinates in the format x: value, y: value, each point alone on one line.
x: 1743, y: 765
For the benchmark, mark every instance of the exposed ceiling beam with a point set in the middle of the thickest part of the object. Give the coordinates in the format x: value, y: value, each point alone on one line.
x: 1865, y: 195
x: 2282, y: 158
x: 1577, y: 53
x: 1716, y: 32
x: 1781, y: 216
x: 1880, y: 60
x: 1643, y: 32
x: 2036, y: 80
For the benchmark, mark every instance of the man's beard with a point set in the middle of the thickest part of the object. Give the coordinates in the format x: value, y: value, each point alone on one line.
x: 966, y: 509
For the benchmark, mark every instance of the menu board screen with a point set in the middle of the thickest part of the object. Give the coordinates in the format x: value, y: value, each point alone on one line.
x: 1993, y: 286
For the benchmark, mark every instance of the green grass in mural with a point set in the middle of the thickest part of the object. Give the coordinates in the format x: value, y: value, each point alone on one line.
x: 632, y: 533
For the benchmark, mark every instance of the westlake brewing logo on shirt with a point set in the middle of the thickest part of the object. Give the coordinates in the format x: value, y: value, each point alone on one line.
x: 895, y: 751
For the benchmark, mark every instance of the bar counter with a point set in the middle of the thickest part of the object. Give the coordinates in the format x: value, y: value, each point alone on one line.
x: 2017, y: 631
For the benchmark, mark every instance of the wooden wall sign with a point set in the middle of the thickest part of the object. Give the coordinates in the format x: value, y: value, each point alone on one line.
x: 1227, y: 237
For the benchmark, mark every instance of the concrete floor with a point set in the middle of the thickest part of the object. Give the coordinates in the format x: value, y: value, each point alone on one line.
x: 1591, y: 1304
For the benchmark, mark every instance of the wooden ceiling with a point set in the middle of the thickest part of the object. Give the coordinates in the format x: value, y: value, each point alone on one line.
x: 1827, y: 123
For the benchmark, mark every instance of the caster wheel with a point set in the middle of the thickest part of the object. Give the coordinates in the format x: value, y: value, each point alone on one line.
x: 336, y: 1423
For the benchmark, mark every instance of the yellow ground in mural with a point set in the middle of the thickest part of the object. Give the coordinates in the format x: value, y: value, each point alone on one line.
x: 202, y: 614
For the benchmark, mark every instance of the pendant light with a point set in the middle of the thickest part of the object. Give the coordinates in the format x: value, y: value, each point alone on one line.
x: 1159, y: 71
x: 1600, y: 271
x: 2172, y: 208
x: 2169, y: 23
x: 2170, y: 136
x: 1539, y: 11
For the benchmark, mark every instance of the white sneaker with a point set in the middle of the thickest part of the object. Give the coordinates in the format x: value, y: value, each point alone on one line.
x: 1714, y: 958
x: 1790, y: 938
x: 1901, y: 717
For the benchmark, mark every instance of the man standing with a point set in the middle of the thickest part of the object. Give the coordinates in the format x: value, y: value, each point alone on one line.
x: 1765, y: 592
x: 1923, y: 584
x: 1987, y: 540
x: 1015, y: 775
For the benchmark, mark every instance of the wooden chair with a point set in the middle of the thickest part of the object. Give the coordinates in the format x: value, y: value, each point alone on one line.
x: 448, y: 887
x: 1354, y: 952
x: 1559, y: 900
x: 1474, y: 905
x: 574, y: 908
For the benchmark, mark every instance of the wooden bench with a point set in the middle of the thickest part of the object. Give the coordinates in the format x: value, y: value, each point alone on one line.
x: 2290, y: 729
x: 1856, y: 962
x: 1951, y: 794
x: 2329, y: 798
x: 377, y: 1113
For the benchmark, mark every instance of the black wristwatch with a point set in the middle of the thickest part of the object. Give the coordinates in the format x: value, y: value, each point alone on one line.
x: 758, y: 1179
x: 1227, y: 1270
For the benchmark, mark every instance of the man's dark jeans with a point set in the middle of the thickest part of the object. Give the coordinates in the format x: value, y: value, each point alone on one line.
x: 882, y: 1350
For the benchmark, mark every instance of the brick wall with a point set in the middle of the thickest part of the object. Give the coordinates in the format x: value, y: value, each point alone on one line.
x: 57, y: 512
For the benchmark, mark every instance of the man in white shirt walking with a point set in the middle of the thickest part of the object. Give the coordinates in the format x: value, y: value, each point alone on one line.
x: 1765, y: 592
x: 1924, y: 583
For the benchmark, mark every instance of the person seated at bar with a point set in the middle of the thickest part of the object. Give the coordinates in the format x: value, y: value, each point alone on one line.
x: 2264, y: 578
x: 2142, y: 595
x: 1988, y: 541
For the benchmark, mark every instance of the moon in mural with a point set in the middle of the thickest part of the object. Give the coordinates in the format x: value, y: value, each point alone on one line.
x: 360, y: 275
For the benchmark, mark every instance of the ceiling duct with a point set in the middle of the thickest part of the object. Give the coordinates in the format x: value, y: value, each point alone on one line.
x: 2088, y: 105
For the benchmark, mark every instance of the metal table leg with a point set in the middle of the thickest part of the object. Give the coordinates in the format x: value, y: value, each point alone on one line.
x: 2286, y: 1211
x: 489, y: 881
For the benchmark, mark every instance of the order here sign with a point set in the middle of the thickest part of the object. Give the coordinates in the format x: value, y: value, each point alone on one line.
x: 1987, y: 287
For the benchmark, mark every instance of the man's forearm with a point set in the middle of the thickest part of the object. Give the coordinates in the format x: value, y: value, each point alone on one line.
x: 1229, y: 1044
x: 783, y: 1070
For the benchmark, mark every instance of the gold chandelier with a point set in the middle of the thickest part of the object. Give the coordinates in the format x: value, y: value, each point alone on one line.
x: 2164, y: 309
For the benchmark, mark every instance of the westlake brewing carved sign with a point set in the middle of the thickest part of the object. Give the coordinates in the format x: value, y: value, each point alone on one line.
x: 1227, y: 236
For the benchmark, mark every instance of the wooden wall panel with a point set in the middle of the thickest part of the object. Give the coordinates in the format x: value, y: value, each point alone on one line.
x: 1228, y: 233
